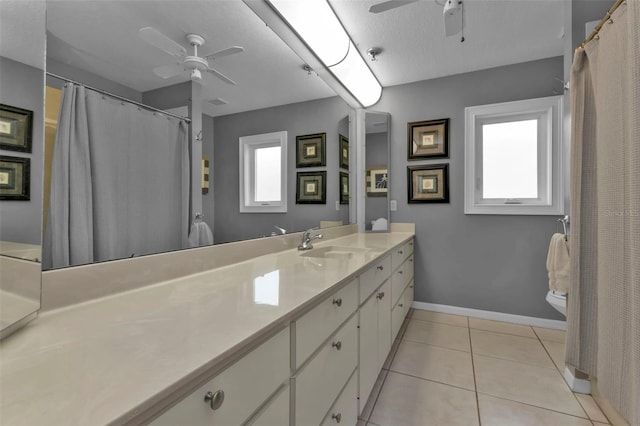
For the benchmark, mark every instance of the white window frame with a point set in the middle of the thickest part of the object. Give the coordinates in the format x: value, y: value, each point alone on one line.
x: 550, y: 199
x: 248, y: 145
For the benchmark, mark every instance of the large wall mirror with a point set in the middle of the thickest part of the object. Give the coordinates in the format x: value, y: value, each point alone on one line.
x: 376, y: 162
x: 142, y: 161
x: 22, y: 65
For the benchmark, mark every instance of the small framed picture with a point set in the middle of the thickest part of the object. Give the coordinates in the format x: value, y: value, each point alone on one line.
x: 16, y: 126
x: 15, y: 175
x: 344, y: 152
x: 311, y: 188
x: 428, y: 139
x: 310, y: 150
x: 428, y: 183
x: 377, y: 181
x: 344, y: 188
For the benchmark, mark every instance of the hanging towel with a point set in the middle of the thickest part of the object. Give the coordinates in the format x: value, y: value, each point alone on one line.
x: 200, y: 234
x: 558, y: 263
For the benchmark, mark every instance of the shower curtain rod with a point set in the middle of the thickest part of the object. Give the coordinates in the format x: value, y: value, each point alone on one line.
x: 120, y: 98
x: 607, y: 17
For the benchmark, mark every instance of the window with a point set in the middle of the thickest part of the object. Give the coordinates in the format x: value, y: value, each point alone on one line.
x: 263, y: 173
x: 513, y: 158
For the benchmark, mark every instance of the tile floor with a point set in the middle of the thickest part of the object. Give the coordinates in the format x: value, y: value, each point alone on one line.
x: 452, y: 370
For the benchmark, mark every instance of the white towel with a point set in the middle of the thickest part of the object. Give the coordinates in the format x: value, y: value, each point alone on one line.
x: 200, y: 234
x: 558, y: 263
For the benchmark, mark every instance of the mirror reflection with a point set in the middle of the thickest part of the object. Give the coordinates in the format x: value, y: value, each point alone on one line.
x: 123, y: 179
x: 377, y: 173
x: 21, y: 128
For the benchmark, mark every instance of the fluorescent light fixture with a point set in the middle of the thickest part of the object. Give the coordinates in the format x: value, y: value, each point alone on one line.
x: 314, y: 32
x: 318, y: 26
x: 354, y: 73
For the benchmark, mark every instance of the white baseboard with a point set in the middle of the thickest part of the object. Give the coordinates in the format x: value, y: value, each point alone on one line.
x: 490, y: 315
x: 577, y: 385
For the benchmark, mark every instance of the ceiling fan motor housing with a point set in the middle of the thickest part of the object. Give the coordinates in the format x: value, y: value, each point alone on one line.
x: 195, y: 63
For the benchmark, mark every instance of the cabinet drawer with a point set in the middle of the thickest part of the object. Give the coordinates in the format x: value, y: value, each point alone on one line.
x: 408, y: 269
x: 398, y: 283
x: 320, y: 381
x: 374, y: 276
x: 399, y: 254
x: 315, y: 326
x: 408, y: 297
x: 400, y: 278
x: 245, y: 386
x: 276, y: 413
x: 345, y: 409
x: 397, y: 316
x: 401, y: 309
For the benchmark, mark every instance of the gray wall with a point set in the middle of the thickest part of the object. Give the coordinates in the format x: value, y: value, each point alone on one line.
x: 303, y: 118
x: 88, y: 78
x: 487, y: 262
x: 22, y: 86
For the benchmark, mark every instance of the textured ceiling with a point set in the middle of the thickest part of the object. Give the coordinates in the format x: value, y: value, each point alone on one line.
x: 101, y: 37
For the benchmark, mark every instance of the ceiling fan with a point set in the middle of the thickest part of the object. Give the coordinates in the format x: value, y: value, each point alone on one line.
x: 452, y: 12
x: 193, y: 64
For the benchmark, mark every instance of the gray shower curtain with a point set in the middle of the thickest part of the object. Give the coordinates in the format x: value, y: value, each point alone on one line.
x: 119, y: 184
x: 603, y: 315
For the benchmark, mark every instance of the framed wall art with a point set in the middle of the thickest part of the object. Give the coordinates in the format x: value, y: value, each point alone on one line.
x: 428, y: 183
x: 428, y: 139
x: 310, y: 150
x: 16, y: 127
x: 344, y: 152
x: 377, y: 181
x: 311, y: 188
x: 15, y: 178
x: 344, y: 188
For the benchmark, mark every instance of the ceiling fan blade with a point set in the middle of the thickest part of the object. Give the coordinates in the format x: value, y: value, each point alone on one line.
x: 388, y: 5
x: 225, y: 52
x: 168, y: 71
x: 162, y: 42
x: 221, y: 76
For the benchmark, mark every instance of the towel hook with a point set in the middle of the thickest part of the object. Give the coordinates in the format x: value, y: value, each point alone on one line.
x: 565, y: 223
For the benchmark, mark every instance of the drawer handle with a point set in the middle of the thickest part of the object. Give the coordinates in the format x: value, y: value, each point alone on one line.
x: 337, y: 302
x: 336, y: 417
x: 401, y: 305
x: 337, y: 345
x: 411, y: 286
x: 411, y: 244
x: 400, y: 252
x: 400, y: 272
x: 215, y: 399
x: 411, y: 259
x: 380, y: 295
x: 380, y: 267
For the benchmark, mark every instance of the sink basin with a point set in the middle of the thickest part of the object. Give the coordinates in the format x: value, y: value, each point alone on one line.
x: 335, y: 252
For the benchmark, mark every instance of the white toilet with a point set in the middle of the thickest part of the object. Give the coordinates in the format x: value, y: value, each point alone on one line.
x: 558, y: 300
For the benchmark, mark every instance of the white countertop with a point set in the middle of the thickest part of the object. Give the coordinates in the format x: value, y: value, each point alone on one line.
x: 107, y: 360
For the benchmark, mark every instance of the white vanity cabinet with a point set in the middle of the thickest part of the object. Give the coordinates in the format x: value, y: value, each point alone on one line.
x: 375, y: 338
x: 321, y: 369
x: 325, y: 357
x: 276, y: 412
x: 236, y: 393
x: 382, y: 313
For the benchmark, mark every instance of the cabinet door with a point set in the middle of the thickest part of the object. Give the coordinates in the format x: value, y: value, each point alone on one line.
x: 344, y: 409
x: 368, y: 362
x: 277, y: 411
x: 384, y: 323
x: 235, y: 393
x: 318, y: 384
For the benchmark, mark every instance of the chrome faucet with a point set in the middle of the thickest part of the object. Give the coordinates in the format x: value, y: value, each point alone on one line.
x: 307, y: 238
